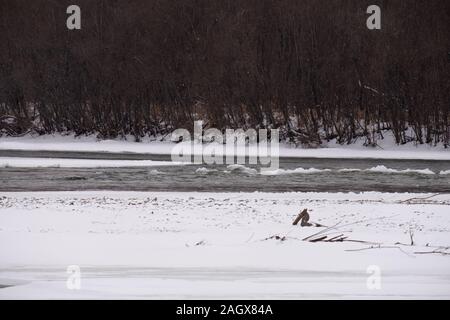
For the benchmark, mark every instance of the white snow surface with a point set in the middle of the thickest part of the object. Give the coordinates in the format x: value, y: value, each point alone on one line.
x: 387, y: 148
x: 152, y: 245
x: 20, y: 162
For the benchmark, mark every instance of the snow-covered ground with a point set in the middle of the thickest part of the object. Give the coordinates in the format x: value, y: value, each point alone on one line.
x: 387, y: 148
x: 19, y: 162
x: 229, y: 245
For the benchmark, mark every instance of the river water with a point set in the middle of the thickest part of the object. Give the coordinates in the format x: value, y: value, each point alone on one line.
x: 296, y: 174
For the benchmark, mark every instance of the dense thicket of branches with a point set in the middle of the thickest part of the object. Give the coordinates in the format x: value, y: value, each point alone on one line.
x: 309, y: 67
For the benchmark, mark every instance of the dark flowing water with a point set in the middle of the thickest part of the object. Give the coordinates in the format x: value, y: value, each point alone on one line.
x: 221, y: 178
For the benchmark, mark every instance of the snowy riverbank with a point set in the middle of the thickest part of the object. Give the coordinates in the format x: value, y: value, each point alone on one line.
x: 20, y: 162
x: 387, y: 148
x: 212, y: 245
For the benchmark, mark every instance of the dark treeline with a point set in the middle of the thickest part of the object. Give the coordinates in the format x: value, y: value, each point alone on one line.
x: 308, y: 67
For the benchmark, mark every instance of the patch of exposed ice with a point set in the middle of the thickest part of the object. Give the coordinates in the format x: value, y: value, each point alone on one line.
x: 204, y: 170
x: 377, y: 169
x: 293, y: 171
x: 384, y: 169
x: 242, y: 168
x: 349, y: 170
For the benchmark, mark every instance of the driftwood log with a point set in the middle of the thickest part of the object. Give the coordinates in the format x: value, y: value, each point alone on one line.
x: 303, y: 218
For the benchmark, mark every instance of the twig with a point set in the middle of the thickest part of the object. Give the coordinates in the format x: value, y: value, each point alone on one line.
x: 322, y: 231
x: 439, y: 250
x: 363, y: 241
x: 331, y: 239
x: 380, y: 247
x: 318, y: 239
x: 345, y: 225
x: 276, y: 237
x: 431, y: 252
x: 416, y: 198
x: 251, y: 237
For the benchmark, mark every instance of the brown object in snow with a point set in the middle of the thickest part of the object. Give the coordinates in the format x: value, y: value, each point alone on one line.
x: 303, y: 218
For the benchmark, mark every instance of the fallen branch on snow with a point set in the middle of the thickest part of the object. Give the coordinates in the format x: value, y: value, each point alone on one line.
x: 303, y: 218
x: 380, y: 247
